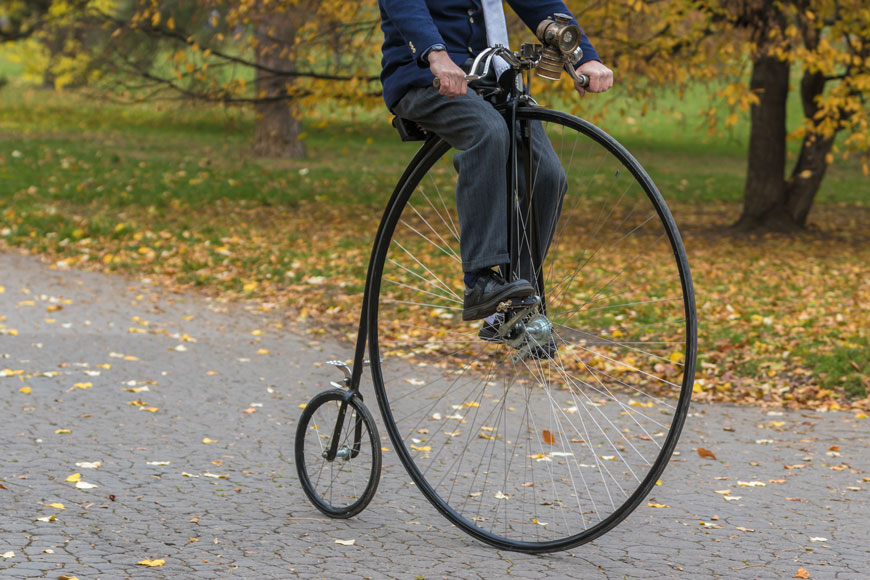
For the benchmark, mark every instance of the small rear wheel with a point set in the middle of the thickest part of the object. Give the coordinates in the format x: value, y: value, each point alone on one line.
x: 342, y: 486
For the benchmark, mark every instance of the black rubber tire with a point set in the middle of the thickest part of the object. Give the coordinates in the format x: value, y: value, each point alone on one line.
x: 383, y: 293
x: 356, y: 499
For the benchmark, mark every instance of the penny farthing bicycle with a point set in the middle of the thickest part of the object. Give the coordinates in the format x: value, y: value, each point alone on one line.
x: 547, y: 432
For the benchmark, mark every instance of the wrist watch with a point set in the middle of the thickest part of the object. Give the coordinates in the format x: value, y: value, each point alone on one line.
x: 438, y: 46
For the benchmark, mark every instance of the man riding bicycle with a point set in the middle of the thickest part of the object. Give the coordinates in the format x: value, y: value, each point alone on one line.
x: 429, y: 39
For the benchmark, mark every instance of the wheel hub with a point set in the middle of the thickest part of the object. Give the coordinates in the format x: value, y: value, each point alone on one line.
x: 526, y: 333
x: 343, y: 452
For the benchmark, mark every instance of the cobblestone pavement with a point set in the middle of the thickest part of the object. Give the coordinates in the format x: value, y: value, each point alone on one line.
x: 228, y: 408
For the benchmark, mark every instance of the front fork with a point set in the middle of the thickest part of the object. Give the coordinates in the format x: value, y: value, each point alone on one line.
x: 345, y: 452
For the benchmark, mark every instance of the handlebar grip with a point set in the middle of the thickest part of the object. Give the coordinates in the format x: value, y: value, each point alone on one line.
x: 582, y: 81
x: 437, y: 82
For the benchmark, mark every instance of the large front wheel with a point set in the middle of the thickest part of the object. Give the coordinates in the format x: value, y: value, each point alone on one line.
x: 549, y: 435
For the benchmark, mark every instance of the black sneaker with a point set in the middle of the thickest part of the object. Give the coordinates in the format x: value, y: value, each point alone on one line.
x: 489, y: 291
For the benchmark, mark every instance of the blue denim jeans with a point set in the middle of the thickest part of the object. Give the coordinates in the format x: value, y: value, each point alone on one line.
x: 473, y: 126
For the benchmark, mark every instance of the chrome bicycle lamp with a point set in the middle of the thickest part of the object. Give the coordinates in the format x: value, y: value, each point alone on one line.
x: 561, y: 40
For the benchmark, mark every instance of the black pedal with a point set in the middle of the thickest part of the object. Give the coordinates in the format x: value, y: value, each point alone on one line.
x: 524, y: 302
x: 409, y: 130
x: 518, y: 303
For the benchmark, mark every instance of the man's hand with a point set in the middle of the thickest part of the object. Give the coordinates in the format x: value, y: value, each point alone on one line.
x: 452, y: 77
x: 600, y: 77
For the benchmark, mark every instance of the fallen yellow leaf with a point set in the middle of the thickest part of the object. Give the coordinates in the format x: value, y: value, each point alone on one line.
x: 74, y: 477
x: 710, y: 526
x: 25, y: 390
x: 151, y: 563
x: 62, y: 431
x: 58, y: 506
x: 206, y: 440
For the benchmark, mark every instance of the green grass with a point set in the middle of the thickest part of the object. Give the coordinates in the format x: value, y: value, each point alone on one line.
x: 845, y: 365
x: 172, y: 190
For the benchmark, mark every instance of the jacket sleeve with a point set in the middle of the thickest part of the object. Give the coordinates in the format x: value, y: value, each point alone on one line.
x: 414, y: 22
x: 532, y: 12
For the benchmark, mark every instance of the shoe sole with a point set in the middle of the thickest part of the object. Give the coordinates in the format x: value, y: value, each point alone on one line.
x: 491, y: 306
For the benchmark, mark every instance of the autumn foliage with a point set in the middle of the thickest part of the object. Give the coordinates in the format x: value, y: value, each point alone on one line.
x: 773, y: 311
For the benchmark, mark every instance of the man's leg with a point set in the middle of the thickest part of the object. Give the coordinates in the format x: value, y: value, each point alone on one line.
x: 473, y: 126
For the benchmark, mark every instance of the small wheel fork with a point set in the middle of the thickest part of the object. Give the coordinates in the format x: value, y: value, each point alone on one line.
x: 333, y: 451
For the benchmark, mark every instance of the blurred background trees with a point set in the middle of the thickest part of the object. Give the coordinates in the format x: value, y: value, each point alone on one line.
x: 284, y: 57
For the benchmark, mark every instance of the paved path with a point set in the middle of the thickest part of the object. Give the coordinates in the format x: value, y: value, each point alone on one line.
x: 206, y: 371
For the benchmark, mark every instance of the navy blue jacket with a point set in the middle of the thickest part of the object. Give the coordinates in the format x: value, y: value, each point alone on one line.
x: 412, y: 26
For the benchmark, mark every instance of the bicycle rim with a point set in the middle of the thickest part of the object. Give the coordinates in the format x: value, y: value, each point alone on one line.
x: 525, y: 452
x: 343, y: 487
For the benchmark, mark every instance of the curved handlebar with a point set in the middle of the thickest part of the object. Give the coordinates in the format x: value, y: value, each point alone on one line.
x: 580, y: 80
x: 514, y: 60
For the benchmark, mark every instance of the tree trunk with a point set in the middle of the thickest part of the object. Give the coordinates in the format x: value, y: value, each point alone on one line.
x: 277, y: 122
x: 764, y: 195
x: 809, y: 171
